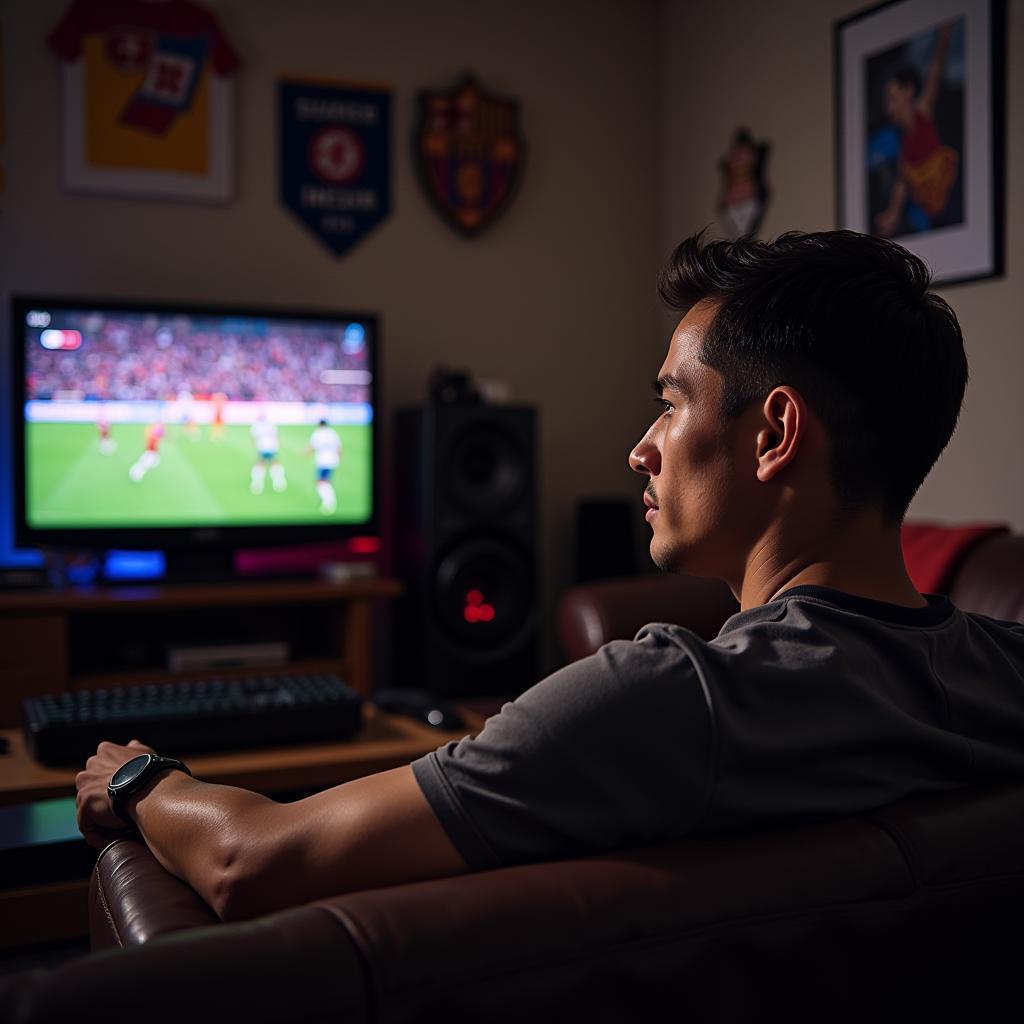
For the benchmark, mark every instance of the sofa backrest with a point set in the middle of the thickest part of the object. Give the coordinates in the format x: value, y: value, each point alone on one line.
x: 913, y: 906
x: 991, y: 579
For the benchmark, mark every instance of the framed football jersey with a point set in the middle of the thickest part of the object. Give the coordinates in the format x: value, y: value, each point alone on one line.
x: 147, y: 99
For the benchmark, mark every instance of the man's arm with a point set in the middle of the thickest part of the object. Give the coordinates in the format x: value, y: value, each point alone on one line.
x: 888, y: 221
x: 247, y: 855
x: 933, y: 81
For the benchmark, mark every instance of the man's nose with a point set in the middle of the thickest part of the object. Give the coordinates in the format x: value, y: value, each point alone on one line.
x: 644, y: 458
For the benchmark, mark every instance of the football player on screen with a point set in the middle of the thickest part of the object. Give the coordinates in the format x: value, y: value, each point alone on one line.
x: 325, y: 445
x: 220, y: 401
x: 107, y: 444
x: 268, y: 444
x: 150, y: 456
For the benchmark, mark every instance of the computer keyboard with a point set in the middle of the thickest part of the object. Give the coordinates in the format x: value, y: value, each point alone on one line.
x: 185, y: 717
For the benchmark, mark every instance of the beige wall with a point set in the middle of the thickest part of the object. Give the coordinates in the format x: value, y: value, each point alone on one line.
x: 769, y: 66
x: 626, y: 108
x: 556, y: 299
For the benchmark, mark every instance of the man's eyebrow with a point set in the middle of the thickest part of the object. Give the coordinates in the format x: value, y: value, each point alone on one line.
x: 669, y: 382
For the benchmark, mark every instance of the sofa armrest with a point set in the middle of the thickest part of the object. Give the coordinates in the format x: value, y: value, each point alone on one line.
x: 133, y: 899
x: 294, y: 966
x: 592, y: 614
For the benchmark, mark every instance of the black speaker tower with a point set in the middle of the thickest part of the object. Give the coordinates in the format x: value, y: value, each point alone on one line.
x: 466, y: 506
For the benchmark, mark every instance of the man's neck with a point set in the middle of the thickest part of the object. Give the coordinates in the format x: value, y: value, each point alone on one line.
x: 865, y: 559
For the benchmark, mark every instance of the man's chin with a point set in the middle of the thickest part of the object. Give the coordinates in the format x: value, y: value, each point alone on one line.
x: 667, y: 560
x: 682, y: 562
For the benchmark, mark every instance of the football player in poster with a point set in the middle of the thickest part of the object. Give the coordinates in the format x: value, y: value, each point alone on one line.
x: 927, y: 167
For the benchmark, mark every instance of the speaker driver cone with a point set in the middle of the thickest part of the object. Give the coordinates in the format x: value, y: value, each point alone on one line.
x: 486, y: 468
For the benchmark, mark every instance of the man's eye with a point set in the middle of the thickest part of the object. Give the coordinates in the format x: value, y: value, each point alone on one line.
x: 666, y: 407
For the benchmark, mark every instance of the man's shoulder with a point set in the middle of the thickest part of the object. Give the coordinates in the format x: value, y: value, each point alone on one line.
x: 811, y: 609
x: 800, y: 629
x: 658, y: 669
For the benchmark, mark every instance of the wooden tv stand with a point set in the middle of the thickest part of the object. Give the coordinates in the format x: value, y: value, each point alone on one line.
x: 57, y: 641
x: 63, y: 640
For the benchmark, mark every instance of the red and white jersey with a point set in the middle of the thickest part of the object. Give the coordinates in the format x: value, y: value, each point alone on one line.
x: 146, y: 71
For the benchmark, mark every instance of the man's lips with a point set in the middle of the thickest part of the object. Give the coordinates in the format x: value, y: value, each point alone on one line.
x: 649, y: 501
x: 652, y: 508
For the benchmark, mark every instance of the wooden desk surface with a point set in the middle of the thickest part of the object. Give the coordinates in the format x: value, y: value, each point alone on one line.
x: 386, y: 741
x: 161, y: 596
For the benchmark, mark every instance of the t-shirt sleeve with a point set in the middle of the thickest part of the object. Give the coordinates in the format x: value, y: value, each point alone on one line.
x: 609, y: 752
x: 66, y: 38
x: 224, y: 56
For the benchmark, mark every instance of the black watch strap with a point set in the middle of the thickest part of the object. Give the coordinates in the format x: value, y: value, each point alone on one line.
x: 120, y: 793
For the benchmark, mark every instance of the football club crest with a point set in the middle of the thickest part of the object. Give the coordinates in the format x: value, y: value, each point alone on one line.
x: 335, y: 159
x: 469, y: 154
x: 744, y: 195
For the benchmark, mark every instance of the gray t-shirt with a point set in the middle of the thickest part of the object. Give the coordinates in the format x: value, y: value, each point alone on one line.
x: 818, y: 704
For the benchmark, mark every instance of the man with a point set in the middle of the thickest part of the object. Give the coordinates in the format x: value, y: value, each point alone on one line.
x: 808, y: 388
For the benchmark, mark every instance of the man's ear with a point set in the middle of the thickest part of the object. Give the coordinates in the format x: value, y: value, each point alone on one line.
x: 784, y: 421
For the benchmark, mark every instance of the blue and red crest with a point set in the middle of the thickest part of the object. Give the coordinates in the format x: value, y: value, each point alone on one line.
x: 469, y: 154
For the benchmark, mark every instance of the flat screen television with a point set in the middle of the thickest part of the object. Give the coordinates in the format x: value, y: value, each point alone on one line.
x: 196, y: 430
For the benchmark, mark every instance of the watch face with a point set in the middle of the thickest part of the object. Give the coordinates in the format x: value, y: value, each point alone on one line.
x: 130, y: 770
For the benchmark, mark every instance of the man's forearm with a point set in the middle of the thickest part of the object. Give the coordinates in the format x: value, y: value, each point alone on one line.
x: 199, y: 831
x: 248, y: 855
x: 898, y: 198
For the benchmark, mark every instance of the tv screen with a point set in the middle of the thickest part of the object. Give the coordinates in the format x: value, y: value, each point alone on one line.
x: 165, y: 424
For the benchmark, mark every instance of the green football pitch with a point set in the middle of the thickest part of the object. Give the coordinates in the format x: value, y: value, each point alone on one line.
x: 199, y: 480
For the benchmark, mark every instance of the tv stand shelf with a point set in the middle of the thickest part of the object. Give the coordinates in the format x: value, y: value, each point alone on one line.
x: 53, y: 641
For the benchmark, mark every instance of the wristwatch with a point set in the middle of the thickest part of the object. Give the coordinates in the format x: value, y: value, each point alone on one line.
x: 135, y: 774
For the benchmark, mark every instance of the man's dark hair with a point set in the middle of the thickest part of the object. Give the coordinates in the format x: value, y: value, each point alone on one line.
x: 847, y: 320
x: 906, y: 75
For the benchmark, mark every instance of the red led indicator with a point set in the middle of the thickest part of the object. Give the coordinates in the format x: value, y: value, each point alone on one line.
x: 364, y: 545
x: 476, y: 608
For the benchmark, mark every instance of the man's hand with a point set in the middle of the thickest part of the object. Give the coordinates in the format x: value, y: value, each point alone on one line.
x: 887, y: 222
x: 96, y: 821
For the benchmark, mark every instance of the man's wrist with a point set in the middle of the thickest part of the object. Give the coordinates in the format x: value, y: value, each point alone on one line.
x: 134, y: 774
x: 165, y: 780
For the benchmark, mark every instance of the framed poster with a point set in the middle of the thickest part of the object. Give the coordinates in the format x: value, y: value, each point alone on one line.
x: 147, y: 100
x: 920, y: 113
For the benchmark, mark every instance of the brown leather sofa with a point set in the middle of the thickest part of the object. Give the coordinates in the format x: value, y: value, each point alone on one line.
x: 911, y: 913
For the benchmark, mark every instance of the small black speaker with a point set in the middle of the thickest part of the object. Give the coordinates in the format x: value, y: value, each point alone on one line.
x: 466, y: 502
x: 605, y: 542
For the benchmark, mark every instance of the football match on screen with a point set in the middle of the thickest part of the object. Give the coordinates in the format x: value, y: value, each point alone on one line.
x: 142, y: 419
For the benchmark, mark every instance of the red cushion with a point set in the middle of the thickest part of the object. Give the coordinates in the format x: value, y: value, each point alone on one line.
x: 933, y: 553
